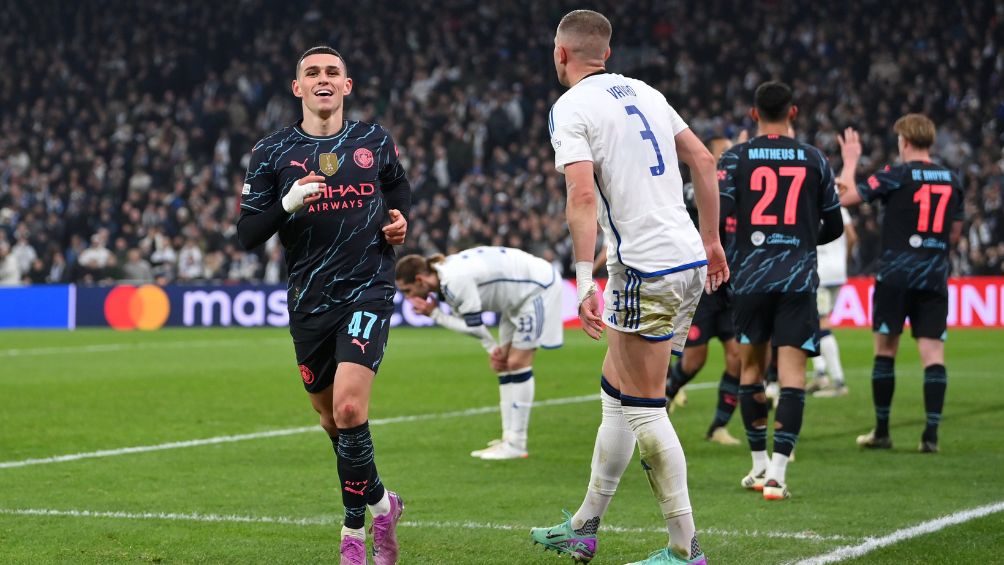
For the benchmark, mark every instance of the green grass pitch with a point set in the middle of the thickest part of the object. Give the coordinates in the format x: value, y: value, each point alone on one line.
x: 272, y: 498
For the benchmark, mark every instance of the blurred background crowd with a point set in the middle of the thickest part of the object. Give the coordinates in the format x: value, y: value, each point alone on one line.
x: 125, y: 127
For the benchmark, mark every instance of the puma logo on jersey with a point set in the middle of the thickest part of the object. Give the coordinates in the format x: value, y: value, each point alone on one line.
x: 302, y: 165
x: 361, y: 345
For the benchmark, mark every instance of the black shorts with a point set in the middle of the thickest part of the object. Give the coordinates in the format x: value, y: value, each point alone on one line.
x: 712, y: 319
x: 782, y: 318
x: 927, y: 310
x: 356, y: 334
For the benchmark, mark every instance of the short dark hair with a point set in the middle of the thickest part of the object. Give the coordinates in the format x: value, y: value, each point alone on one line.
x: 773, y: 99
x: 322, y: 49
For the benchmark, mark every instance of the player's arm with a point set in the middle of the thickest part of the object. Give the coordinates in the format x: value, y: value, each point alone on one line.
x: 959, y: 213
x: 702, y: 170
x: 849, y: 231
x: 830, y: 212
x: 850, y: 152
x: 463, y: 325
x: 262, y: 211
x: 397, y: 194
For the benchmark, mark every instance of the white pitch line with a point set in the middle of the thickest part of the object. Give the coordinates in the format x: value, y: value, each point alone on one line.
x: 293, y: 431
x: 924, y: 528
x: 106, y: 347
x: 327, y: 521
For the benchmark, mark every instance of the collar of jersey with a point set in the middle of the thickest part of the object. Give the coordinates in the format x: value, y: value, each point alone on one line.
x: 299, y: 130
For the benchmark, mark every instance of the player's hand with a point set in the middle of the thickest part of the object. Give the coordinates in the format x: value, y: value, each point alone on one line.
x: 718, y: 268
x: 850, y: 145
x: 423, y: 306
x: 304, y: 191
x: 397, y: 229
x: 743, y: 137
x: 589, y: 316
x: 497, y: 358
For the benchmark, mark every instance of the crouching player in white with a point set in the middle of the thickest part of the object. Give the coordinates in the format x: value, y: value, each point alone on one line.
x: 525, y: 291
x: 616, y: 140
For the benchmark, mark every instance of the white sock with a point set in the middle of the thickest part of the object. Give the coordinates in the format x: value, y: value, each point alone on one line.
x: 818, y: 365
x: 612, y: 453
x: 831, y: 353
x: 359, y: 533
x: 505, y: 406
x: 666, y: 467
x: 760, y: 462
x: 521, y: 395
x: 382, y: 507
x: 778, y: 466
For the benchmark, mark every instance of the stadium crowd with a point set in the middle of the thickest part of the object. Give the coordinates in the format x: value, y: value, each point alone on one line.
x: 125, y: 127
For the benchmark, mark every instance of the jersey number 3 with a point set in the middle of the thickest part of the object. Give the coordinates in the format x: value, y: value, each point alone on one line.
x: 764, y: 180
x: 647, y: 133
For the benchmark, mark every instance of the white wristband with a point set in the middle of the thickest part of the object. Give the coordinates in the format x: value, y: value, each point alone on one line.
x: 584, y: 285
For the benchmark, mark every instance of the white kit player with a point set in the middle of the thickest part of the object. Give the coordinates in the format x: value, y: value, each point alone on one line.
x: 832, y: 270
x: 616, y: 140
x: 526, y: 292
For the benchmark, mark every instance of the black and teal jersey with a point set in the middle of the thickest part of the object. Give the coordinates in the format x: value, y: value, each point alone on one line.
x: 778, y: 189
x: 920, y: 202
x: 336, y: 253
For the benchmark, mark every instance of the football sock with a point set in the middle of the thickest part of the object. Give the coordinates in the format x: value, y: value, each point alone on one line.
x: 381, y: 506
x: 675, y: 379
x: 819, y: 364
x: 505, y: 404
x: 665, y: 465
x: 830, y: 352
x: 728, y: 397
x: 611, y: 455
x: 935, y: 383
x: 787, y: 425
x: 359, y: 532
x: 753, y: 407
x: 376, y: 495
x: 521, y: 394
x: 883, y: 385
x: 356, y: 473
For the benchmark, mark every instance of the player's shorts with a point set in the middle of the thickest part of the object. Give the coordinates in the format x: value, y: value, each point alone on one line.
x: 781, y: 318
x: 927, y: 310
x: 826, y: 299
x: 657, y: 308
x: 537, y: 323
x: 713, y: 319
x: 356, y: 334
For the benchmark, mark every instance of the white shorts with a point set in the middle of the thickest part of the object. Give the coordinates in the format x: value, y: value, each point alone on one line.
x: 537, y: 322
x: 826, y: 298
x: 656, y: 308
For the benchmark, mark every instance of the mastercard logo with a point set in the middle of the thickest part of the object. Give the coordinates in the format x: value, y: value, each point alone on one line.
x: 129, y: 308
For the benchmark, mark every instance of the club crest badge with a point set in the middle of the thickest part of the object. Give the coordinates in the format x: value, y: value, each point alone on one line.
x: 363, y: 157
x: 329, y: 163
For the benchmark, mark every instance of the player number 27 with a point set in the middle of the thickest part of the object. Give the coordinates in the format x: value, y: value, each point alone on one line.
x: 660, y: 167
x: 356, y: 324
x: 764, y: 180
x: 923, y: 198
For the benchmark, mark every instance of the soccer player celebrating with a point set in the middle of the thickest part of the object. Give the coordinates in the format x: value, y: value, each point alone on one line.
x: 327, y: 185
x: 526, y: 292
x: 616, y: 140
x: 923, y: 204
x: 780, y: 189
x: 832, y: 258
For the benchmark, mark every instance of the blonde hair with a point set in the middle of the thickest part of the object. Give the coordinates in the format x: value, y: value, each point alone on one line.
x: 410, y: 266
x: 586, y: 33
x: 917, y: 129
